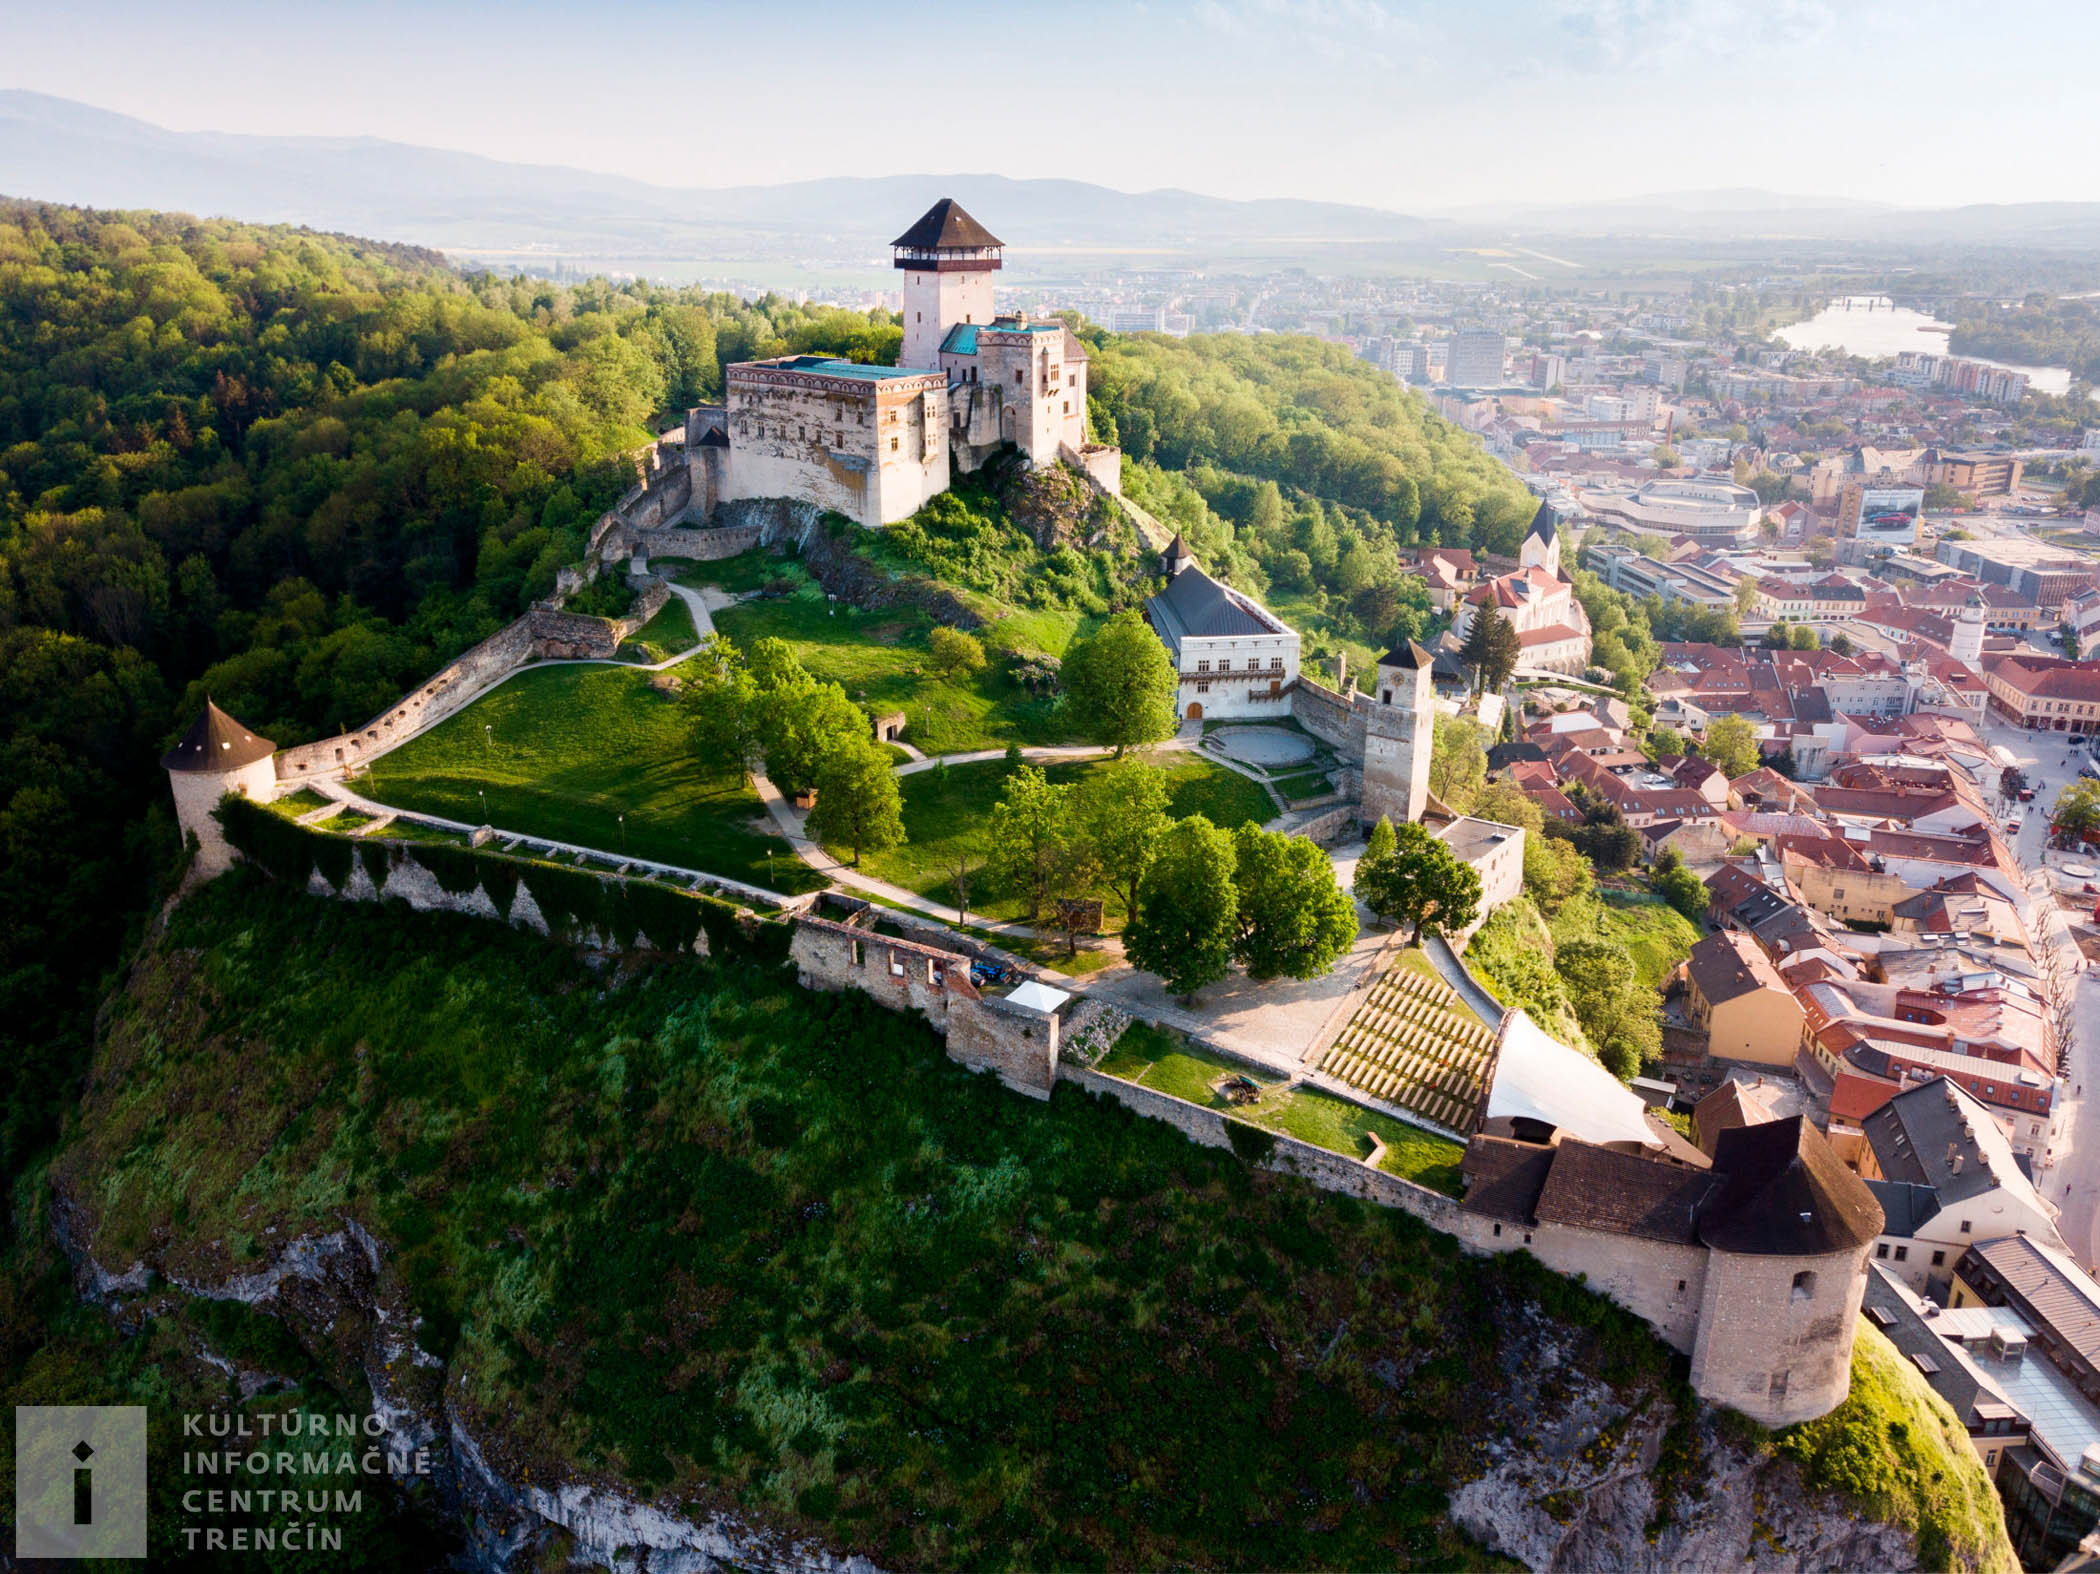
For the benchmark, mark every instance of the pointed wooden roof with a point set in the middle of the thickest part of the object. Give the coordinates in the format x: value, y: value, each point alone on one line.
x: 946, y: 224
x: 1787, y: 1194
x: 1407, y: 654
x: 216, y: 743
x: 1542, y: 523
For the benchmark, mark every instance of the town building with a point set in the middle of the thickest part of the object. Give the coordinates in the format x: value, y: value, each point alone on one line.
x: 2043, y: 693
x: 1232, y: 657
x: 1735, y: 995
x: 1476, y: 358
x: 1936, y: 1138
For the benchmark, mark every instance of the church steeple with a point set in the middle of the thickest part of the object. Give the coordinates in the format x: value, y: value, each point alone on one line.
x: 1541, y: 548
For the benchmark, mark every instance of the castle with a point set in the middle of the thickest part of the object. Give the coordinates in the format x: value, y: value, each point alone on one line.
x: 875, y: 443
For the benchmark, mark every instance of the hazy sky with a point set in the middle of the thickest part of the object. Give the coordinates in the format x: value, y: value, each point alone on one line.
x: 1397, y: 103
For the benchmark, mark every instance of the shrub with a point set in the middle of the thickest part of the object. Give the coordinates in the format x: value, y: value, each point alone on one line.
x: 1251, y: 1143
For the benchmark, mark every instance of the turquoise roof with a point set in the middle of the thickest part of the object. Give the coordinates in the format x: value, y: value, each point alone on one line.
x: 961, y: 340
x: 827, y: 366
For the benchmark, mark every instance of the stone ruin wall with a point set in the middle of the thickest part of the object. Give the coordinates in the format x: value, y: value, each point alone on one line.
x: 1016, y: 1042
x: 1330, y: 716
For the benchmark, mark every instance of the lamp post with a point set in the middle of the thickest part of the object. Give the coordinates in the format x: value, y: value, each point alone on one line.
x: 488, y: 731
x: 484, y: 804
x: 623, y: 835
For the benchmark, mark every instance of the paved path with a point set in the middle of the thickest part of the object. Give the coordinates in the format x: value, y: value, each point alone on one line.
x: 1445, y: 960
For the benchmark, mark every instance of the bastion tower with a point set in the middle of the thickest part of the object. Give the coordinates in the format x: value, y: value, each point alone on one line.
x: 1399, y: 728
x: 1787, y: 1235
x: 217, y: 756
x: 947, y: 260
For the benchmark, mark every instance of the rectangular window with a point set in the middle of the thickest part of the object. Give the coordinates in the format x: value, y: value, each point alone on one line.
x: 1276, y: 664
x: 1903, y: 1254
x: 893, y: 445
x: 1965, y: 1226
x: 896, y: 965
x: 1203, y: 666
x: 1882, y: 1250
x: 860, y: 954
x: 1202, y: 688
x: 1939, y: 1259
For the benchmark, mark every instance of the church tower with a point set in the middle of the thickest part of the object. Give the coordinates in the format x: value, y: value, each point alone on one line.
x: 1966, y: 643
x: 947, y: 260
x: 1541, y: 548
x: 1399, y: 729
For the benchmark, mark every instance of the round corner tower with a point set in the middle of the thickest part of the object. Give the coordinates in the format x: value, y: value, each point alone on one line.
x: 947, y: 260
x: 1787, y: 1234
x: 1399, y: 731
x: 217, y: 756
x: 1965, y: 644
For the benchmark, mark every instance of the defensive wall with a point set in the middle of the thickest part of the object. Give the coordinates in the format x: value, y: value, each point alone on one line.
x: 984, y: 1032
x: 544, y: 631
x: 1330, y: 716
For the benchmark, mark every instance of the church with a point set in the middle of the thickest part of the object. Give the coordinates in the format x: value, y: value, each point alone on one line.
x: 875, y: 443
x: 1538, y: 600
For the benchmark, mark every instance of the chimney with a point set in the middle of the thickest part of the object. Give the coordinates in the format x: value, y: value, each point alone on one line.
x: 1953, y: 1152
x: 1957, y: 1164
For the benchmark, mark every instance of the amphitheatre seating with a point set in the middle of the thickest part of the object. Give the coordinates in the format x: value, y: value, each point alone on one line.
x: 1413, y: 1044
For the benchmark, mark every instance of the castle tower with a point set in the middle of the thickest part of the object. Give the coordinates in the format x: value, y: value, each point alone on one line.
x: 947, y: 260
x: 1399, y: 728
x: 1541, y: 548
x: 1787, y: 1235
x: 1966, y: 645
x: 216, y: 756
x: 1176, y: 557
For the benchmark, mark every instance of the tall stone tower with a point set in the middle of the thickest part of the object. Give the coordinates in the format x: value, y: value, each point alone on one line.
x: 217, y: 756
x: 1399, y: 729
x: 947, y: 260
x: 1966, y: 643
x: 1787, y: 1236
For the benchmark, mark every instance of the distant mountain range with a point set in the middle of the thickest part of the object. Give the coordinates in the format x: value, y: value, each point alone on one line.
x: 61, y: 151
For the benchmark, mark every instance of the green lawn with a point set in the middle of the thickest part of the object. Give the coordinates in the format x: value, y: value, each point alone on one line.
x: 669, y: 633
x: 348, y: 820
x: 416, y: 831
x: 294, y: 804
x: 747, y: 571
x: 946, y: 811
x: 1155, y: 1058
x: 574, y: 748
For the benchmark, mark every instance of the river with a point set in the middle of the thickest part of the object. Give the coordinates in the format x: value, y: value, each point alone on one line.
x: 1876, y: 327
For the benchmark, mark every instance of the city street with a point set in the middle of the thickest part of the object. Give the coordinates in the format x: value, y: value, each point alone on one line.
x: 2070, y: 1177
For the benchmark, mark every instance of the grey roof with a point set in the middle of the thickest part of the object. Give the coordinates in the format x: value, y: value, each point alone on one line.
x: 946, y: 224
x: 1196, y: 606
x: 1926, y: 1135
x: 1177, y: 555
x: 1904, y: 1205
x: 1542, y: 523
x: 2050, y: 1287
x: 1407, y: 654
x: 216, y: 743
x: 1903, y: 1319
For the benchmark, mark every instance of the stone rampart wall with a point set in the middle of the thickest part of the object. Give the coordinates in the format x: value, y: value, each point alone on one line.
x: 703, y: 546
x: 1329, y: 716
x: 1329, y: 1171
x: 451, y: 689
x: 1338, y: 824
x: 1661, y: 1282
x: 986, y: 1033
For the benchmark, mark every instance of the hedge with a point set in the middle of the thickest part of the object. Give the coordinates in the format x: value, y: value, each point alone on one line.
x: 575, y: 903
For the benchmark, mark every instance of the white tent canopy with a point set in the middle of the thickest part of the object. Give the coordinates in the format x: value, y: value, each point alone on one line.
x: 1039, y: 997
x: 1540, y: 1078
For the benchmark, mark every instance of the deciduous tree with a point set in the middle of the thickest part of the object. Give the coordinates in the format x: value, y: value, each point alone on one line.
x: 1125, y: 806
x: 1294, y: 920
x: 1026, y: 836
x: 1120, y: 684
x: 1188, y: 909
x: 1731, y: 744
x: 1457, y: 762
x: 954, y: 653
x: 858, y: 805
x: 1421, y: 882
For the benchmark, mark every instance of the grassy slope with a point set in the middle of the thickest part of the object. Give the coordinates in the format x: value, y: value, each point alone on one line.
x: 945, y: 812
x: 669, y: 633
x: 880, y: 657
x: 717, y: 1237
x: 1895, y: 1446
x: 575, y: 747
x: 1649, y: 929
x: 1157, y: 1059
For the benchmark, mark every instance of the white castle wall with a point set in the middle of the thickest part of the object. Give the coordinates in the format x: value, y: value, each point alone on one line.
x: 197, y: 793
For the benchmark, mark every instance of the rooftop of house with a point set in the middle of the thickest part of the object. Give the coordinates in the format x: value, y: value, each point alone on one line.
x: 1940, y: 1136
x: 830, y: 366
x: 1730, y: 965
x: 2051, y: 1287
x: 1195, y: 606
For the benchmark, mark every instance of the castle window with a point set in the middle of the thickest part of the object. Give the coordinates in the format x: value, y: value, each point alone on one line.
x: 1777, y: 1388
x: 860, y: 954
x: 1387, y: 698
x: 1020, y: 376
x: 1202, y: 688
x: 1680, y: 1287
x: 1804, y: 1285
x: 1498, y: 1231
x: 893, y: 445
x: 1276, y: 664
x: 896, y: 965
x: 1203, y: 666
